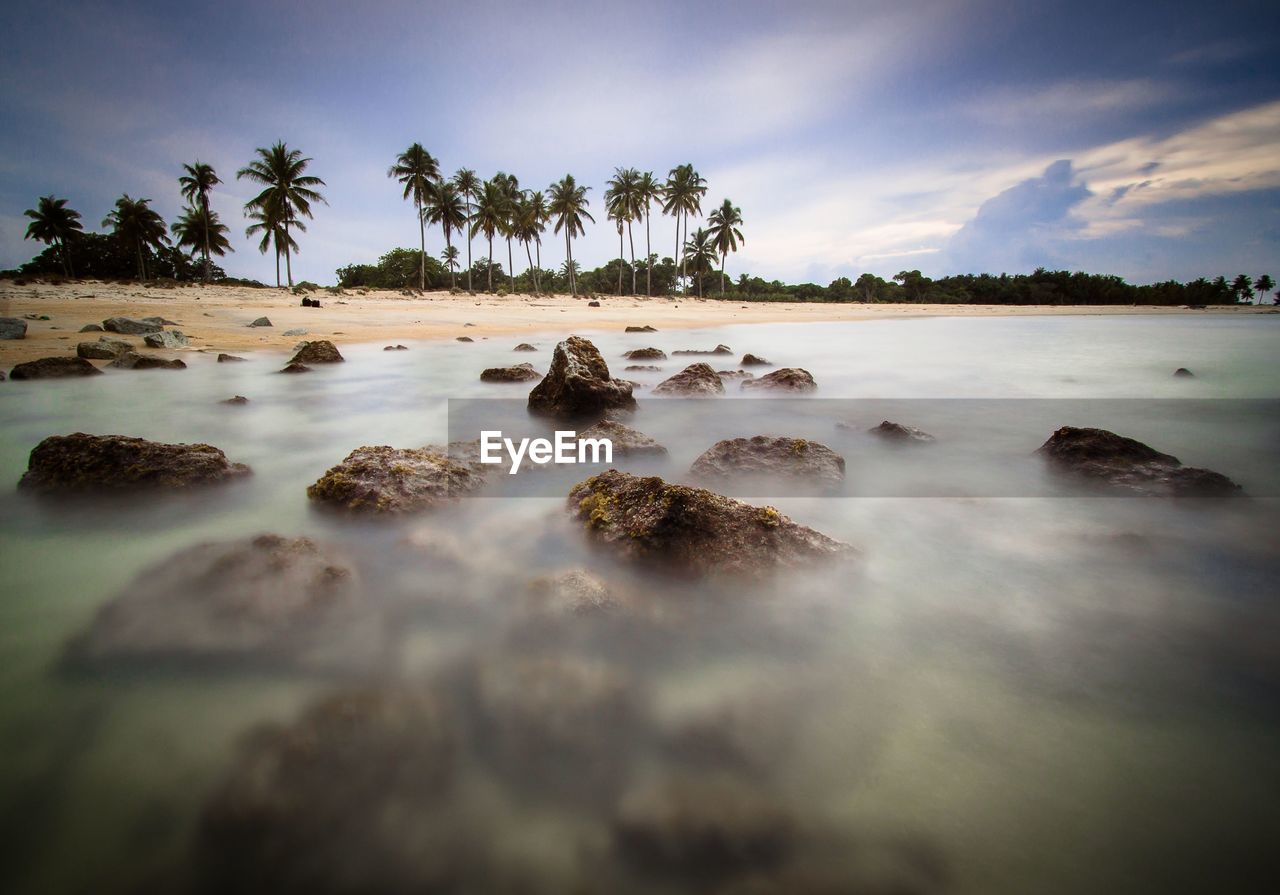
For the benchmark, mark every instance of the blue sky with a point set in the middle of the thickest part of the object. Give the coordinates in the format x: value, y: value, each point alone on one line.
x: 945, y: 136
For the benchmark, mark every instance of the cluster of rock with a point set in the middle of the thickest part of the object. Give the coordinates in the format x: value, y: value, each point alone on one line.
x: 719, y: 349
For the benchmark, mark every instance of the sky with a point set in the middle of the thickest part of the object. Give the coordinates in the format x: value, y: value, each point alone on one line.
x: 950, y: 137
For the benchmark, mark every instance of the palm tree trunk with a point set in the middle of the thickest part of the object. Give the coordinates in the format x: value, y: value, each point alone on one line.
x: 538, y: 276
x: 723, y: 256
x: 204, y: 201
x: 568, y: 263
x: 453, y: 273
x: 288, y: 262
x: 489, y: 266
x: 533, y: 274
x: 675, y: 257
x: 511, y: 268
x: 683, y: 255
x: 469, y: 235
x: 66, y: 256
x: 648, y: 254
x: 620, y: 261
x: 422, y: 241
x: 631, y: 239
x: 142, y: 265
x: 277, y: 267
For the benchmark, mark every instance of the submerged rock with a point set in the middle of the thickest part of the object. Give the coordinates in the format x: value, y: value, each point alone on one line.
x: 641, y: 368
x: 645, y: 354
x: 261, y: 321
x: 752, y: 360
x: 162, y: 321
x: 131, y: 326
x: 695, y: 379
x: 524, y: 346
x: 321, y: 351
x: 165, y: 339
x: 1125, y: 464
x: 87, y: 463
x: 625, y: 439
x: 900, y: 433
x: 396, y: 348
x: 735, y: 374
x: 12, y: 328
x: 229, y: 359
x: 235, y: 399
x: 768, y: 455
x: 131, y: 360
x: 1183, y: 372
x: 103, y: 349
x: 54, y: 368
x: 295, y: 368
x: 791, y: 379
x: 294, y: 333
x: 464, y: 339
x: 517, y: 373
x: 573, y: 592
x: 381, y: 480
x: 641, y: 329
x: 719, y: 349
x: 578, y: 383
x: 691, y: 530
x: 90, y: 328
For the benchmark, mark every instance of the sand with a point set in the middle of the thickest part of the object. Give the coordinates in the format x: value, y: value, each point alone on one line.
x: 215, y: 318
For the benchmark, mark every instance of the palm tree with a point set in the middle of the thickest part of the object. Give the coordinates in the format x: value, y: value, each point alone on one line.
x: 445, y: 206
x: 417, y: 169
x: 280, y: 170
x: 52, y: 222
x: 682, y: 196
x: 648, y: 190
x: 268, y: 222
x: 724, y: 223
x: 196, y: 185
x: 137, y: 225
x: 1242, y: 288
x: 469, y: 185
x: 489, y: 216
x: 510, y: 194
x: 1263, y: 285
x: 199, y: 229
x: 527, y: 227
x: 450, y: 258
x: 617, y: 208
x: 700, y: 253
x: 568, y: 206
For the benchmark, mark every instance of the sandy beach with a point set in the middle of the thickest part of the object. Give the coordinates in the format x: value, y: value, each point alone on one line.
x: 216, y: 318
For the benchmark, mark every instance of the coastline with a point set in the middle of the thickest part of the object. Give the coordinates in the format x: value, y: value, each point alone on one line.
x: 216, y: 318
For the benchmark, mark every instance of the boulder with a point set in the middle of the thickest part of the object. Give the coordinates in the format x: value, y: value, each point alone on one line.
x: 693, y: 531
x: 768, y: 455
x: 2, y: 376
x: 625, y: 439
x: 91, y: 328
x: 13, y: 328
x: 524, y: 346
x: 753, y: 360
x: 235, y: 400
x: 131, y: 360
x: 294, y: 333
x: 261, y: 321
x: 319, y: 352
x: 103, y: 349
x: 229, y: 359
x: 161, y: 321
x: 642, y: 368
x: 897, y: 432
x: 645, y: 354
x: 295, y: 368
x: 719, y: 349
x: 386, y: 481
x: 165, y: 339
x: 1183, y: 372
x: 396, y: 348
x: 131, y: 326
x: 573, y: 592
x: 464, y: 339
x: 578, y: 383
x: 593, y: 304
x: 54, y: 368
x: 1126, y: 465
x: 735, y: 374
x: 641, y: 329
x: 517, y: 373
x: 788, y: 379
x: 695, y: 379
x: 267, y: 599
x: 100, y: 463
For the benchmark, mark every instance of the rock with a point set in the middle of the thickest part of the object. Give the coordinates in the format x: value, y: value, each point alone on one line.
x: 464, y: 339
x: 306, y: 303
x: 1183, y: 372
x: 641, y: 329
x: 261, y: 321
x: 2, y: 376
x: 642, y: 368
x: 86, y: 463
x: 769, y: 455
x: 646, y: 354
x: 719, y: 349
x: 752, y: 360
x: 574, y: 592
x: 681, y: 529
x: 103, y: 349
x: 13, y: 328
x: 695, y: 379
x: 900, y: 433
x: 396, y: 348
x: 790, y: 379
x: 1124, y: 464
x: 235, y: 399
x: 518, y: 373
x: 735, y: 374
x: 625, y: 439
x: 131, y: 360
x: 269, y: 599
x: 702, y: 831
x: 91, y: 328
x: 54, y: 368
x: 165, y: 339
x: 593, y: 304
x: 384, y: 481
x: 229, y: 359
x: 524, y: 346
x: 319, y: 352
x: 578, y: 383
x: 130, y: 326
x: 161, y: 321
x: 294, y: 333
x: 296, y: 368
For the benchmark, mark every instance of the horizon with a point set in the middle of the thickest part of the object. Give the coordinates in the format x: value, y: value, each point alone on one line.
x: 1149, y: 155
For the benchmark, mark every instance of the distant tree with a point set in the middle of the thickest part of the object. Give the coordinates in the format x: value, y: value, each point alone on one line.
x: 268, y: 223
x: 1242, y: 289
x: 914, y: 284
x: 446, y: 207
x: 618, y: 197
x: 137, y: 225
x: 54, y: 224
x: 450, y: 258
x: 682, y: 196
x: 723, y: 227
x: 1263, y: 285
x: 199, y: 230
x: 196, y: 184
x: 567, y: 205
x: 700, y: 256
x: 648, y: 191
x: 416, y: 169
x: 489, y: 216
x: 534, y: 219
x: 527, y: 227
x: 289, y: 193
x: 469, y: 185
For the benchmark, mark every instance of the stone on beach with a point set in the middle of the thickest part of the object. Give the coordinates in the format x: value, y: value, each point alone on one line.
x: 897, y: 432
x: 517, y: 373
x: 625, y: 440
x: 378, y: 480
x: 13, y: 328
x: 790, y: 379
x: 132, y: 360
x: 752, y: 360
x: 99, y: 463
x: 54, y: 368
x: 261, y: 321
x: 769, y: 455
x: 524, y: 346
x: 641, y: 329
x: 645, y: 354
x: 165, y: 339
x: 1126, y: 465
x: 719, y: 349
x: 693, y: 380
x: 321, y: 351
x: 90, y: 328
x: 131, y: 326
x: 229, y: 359
x: 578, y: 383
x: 103, y: 349
x: 295, y: 368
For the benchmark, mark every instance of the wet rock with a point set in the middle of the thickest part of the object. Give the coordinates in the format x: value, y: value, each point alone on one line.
x: 295, y: 368
x: 1183, y: 372
x: 54, y: 368
x: 319, y: 352
x: 267, y: 599
x: 641, y: 329
x: 385, y: 481
x: 642, y: 368
x: 396, y: 348
x: 294, y: 333
x: 573, y: 592
x: 524, y: 346
x: 517, y: 373
x: 90, y: 328
x: 103, y: 349
x: 235, y: 399
x: 130, y: 326
x: 464, y: 339
x: 161, y: 321
x: 593, y: 304
x: 735, y: 374
x: 687, y: 530
x: 87, y: 463
x: 261, y: 321
x: 131, y: 360
x: 645, y: 354
x: 897, y: 432
x: 625, y: 439
x: 695, y: 379
x: 790, y: 379
x: 767, y: 455
x: 229, y: 359
x: 165, y: 339
x: 1125, y: 464
x: 752, y: 360
x: 578, y: 383
x: 719, y: 349
x: 13, y: 328
x: 2, y: 376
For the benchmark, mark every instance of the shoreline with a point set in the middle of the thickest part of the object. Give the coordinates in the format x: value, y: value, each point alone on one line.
x: 215, y: 318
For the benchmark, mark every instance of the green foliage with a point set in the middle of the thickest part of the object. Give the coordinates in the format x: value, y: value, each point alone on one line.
x: 102, y: 256
x: 397, y: 269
